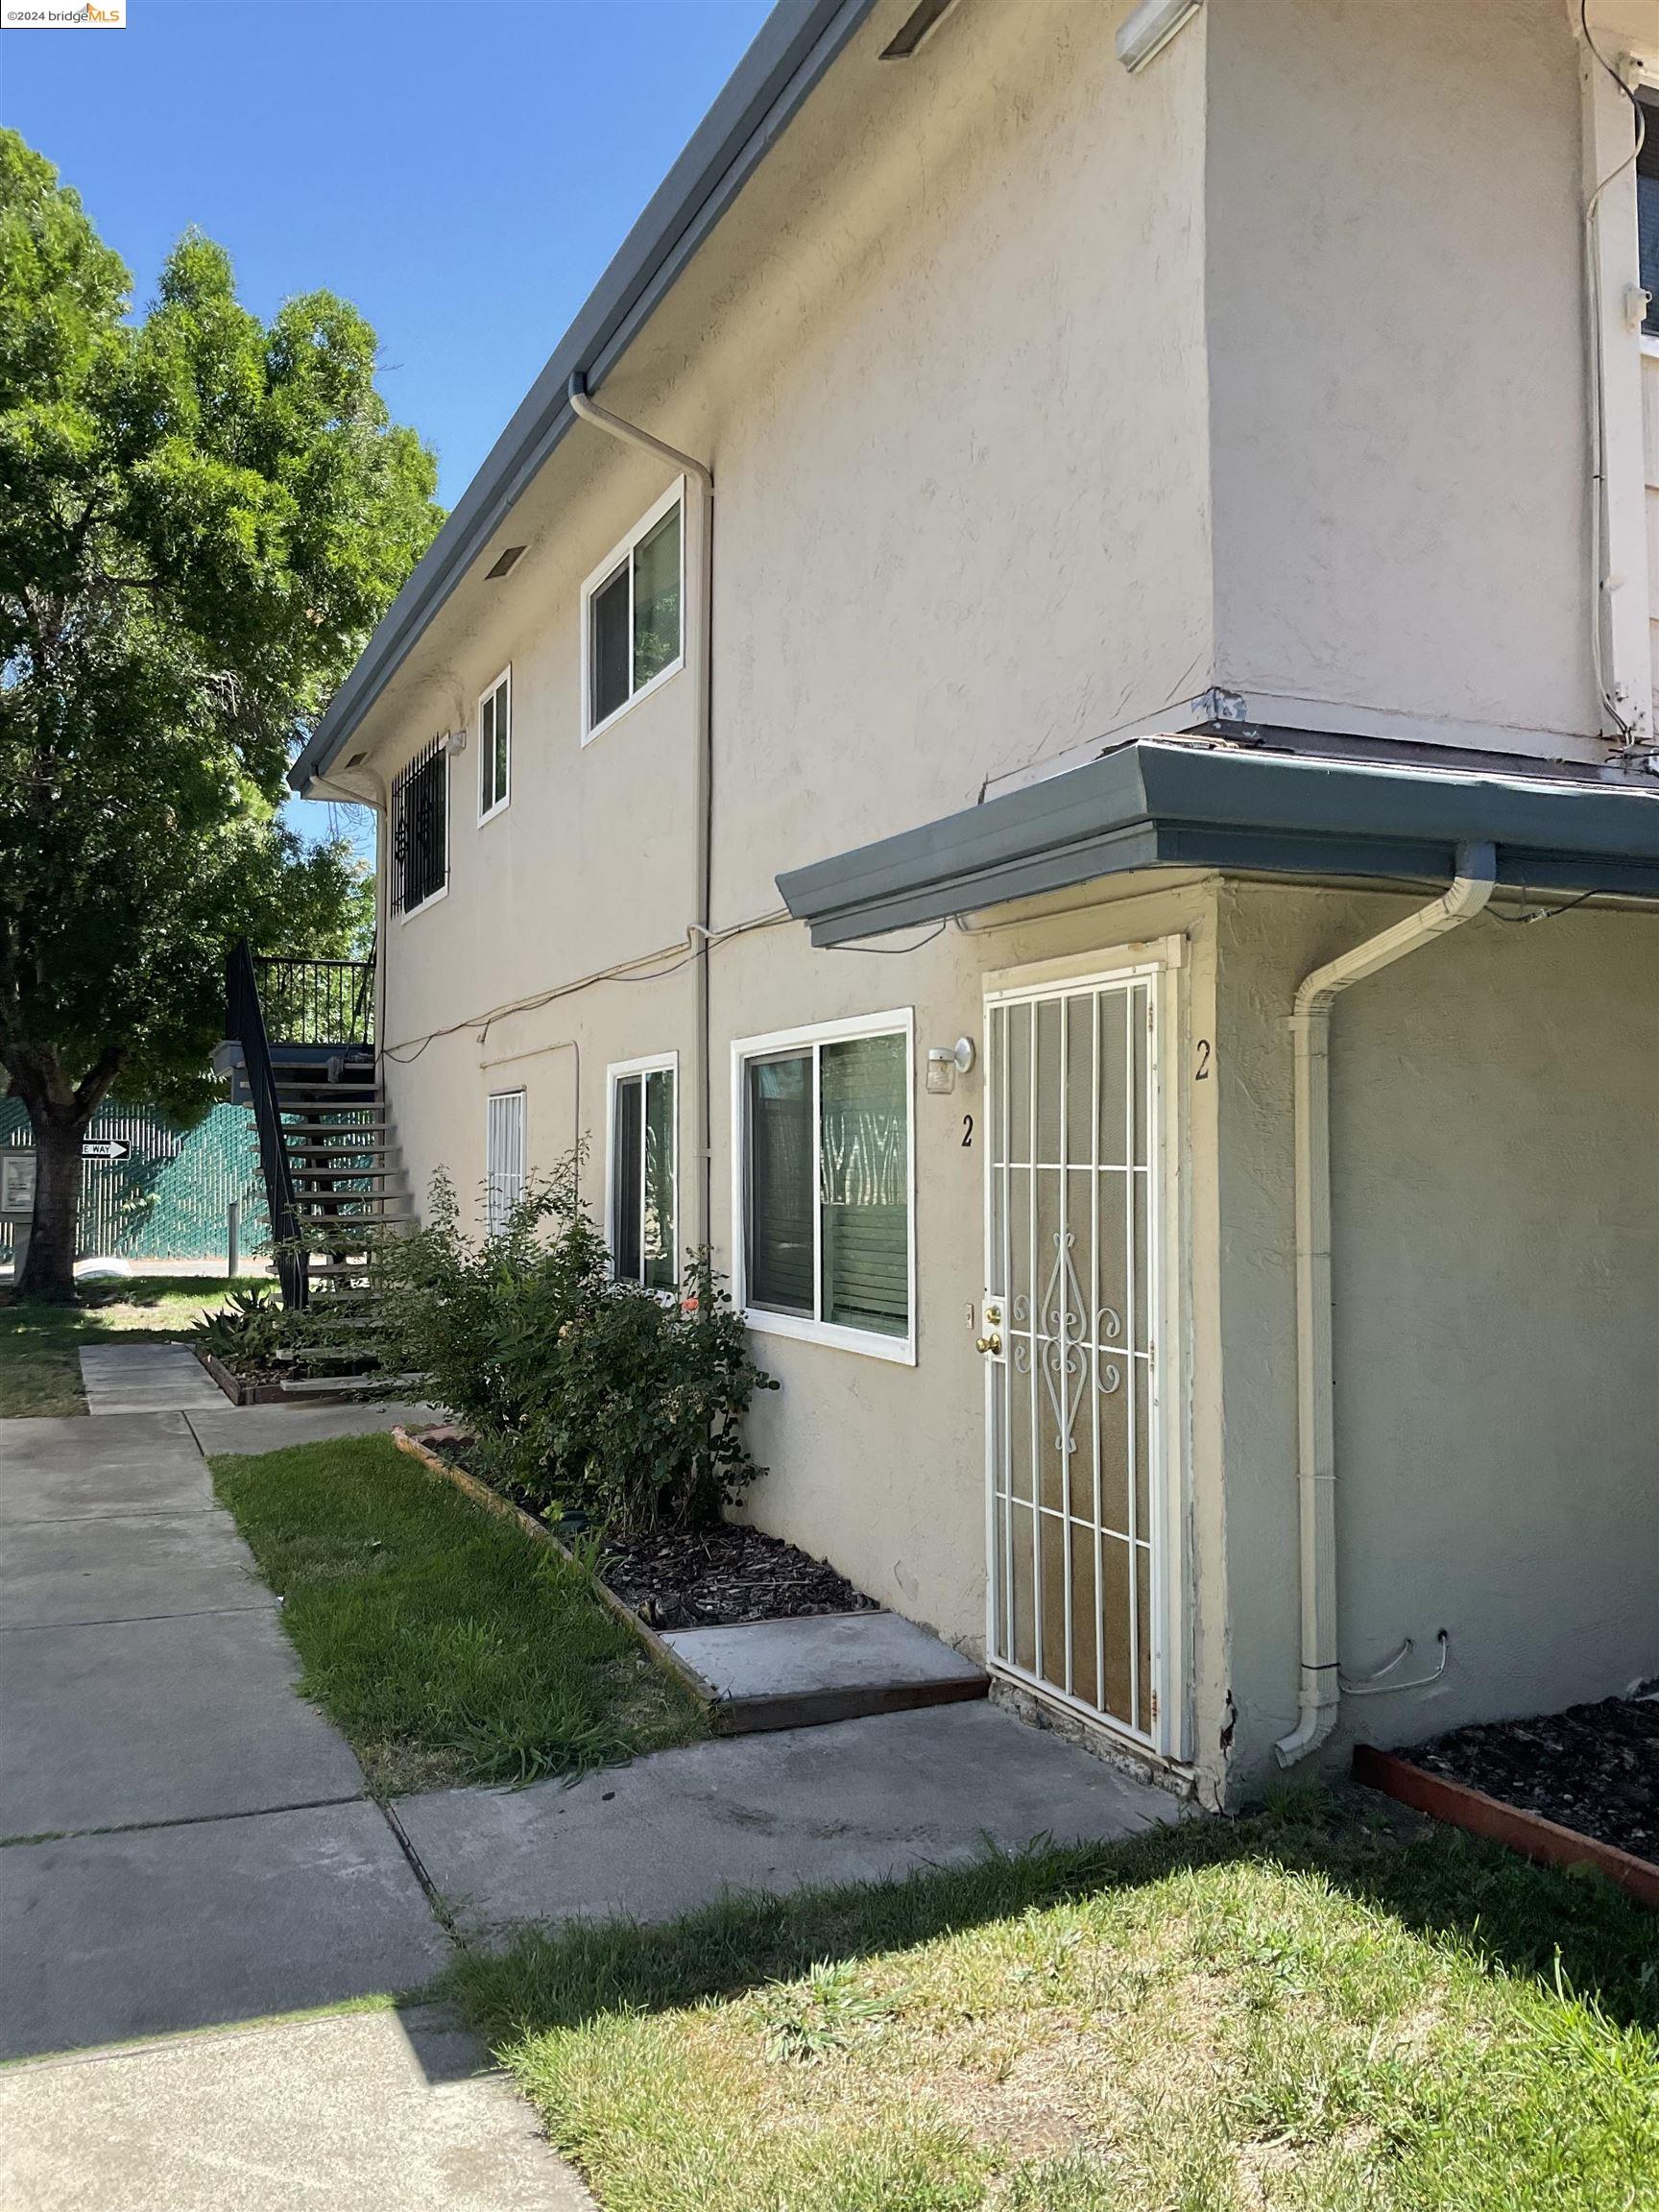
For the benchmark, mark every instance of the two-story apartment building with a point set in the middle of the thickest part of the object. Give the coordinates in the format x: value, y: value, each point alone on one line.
x: 1042, y: 730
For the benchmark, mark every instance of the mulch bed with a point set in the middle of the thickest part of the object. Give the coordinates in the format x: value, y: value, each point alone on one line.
x: 1594, y: 1769
x: 720, y: 1577
x: 713, y: 1579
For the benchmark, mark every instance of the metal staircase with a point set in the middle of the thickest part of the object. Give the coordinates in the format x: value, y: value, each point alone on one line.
x: 300, y: 1048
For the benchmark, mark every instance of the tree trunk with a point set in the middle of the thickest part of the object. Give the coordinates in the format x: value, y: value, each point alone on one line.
x: 49, y: 1268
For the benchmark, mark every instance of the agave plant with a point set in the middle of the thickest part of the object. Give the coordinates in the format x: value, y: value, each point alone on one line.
x: 248, y: 1332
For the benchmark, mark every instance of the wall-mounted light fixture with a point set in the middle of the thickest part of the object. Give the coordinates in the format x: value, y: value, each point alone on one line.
x: 1149, y: 29
x: 455, y: 740
x: 946, y: 1062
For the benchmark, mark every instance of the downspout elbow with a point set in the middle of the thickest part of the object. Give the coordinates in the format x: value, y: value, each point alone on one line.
x: 630, y: 433
x: 1319, y: 1709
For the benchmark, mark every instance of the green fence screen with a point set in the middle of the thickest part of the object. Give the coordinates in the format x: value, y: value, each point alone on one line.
x: 170, y: 1198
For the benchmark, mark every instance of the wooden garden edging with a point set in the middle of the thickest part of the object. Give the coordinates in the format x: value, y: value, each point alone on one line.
x: 493, y: 1502
x: 1529, y: 1833
x: 241, y: 1393
x: 238, y: 1392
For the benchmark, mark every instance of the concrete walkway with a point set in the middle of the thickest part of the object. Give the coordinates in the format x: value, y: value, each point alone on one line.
x: 853, y: 1802
x: 364, y: 2112
x: 190, y: 1847
x: 146, y: 1378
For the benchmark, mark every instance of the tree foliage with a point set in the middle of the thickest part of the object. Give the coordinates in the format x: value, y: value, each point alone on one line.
x: 202, y: 516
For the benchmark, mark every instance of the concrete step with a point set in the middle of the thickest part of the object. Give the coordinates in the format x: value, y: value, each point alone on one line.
x: 826, y: 1668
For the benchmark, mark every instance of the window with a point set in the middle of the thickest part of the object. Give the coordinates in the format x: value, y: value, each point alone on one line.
x: 632, y: 618
x: 823, y: 1184
x: 503, y: 1157
x: 1647, y: 213
x: 494, y: 745
x: 421, y: 830
x: 643, y: 1175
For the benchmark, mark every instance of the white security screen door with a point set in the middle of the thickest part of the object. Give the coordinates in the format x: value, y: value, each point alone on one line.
x: 1074, y: 1213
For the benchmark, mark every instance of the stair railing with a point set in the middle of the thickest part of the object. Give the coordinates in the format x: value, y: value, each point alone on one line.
x: 245, y: 1023
x: 317, y: 1001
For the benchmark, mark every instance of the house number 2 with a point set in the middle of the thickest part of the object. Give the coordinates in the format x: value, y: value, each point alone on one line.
x: 1202, y: 1073
x: 967, y: 1131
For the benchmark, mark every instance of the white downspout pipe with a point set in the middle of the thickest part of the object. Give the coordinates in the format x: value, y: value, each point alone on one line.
x: 629, y: 434
x: 1320, y: 1691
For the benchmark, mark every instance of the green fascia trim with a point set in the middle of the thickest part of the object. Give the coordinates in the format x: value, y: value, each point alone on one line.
x: 1165, y: 805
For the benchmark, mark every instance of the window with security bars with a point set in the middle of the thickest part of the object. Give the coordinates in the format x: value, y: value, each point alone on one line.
x: 827, y: 1184
x: 420, y: 849
x: 503, y: 1157
x: 643, y: 1209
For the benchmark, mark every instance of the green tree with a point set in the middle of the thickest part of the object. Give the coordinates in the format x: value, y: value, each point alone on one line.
x: 202, y: 516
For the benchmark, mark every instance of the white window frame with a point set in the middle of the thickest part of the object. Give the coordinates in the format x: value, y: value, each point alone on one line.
x: 497, y: 806
x: 675, y: 495
x: 408, y: 913
x: 490, y: 1173
x: 900, y: 1021
x: 654, y: 1064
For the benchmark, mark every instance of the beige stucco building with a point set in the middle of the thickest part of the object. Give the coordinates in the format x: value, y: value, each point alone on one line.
x: 1118, y: 541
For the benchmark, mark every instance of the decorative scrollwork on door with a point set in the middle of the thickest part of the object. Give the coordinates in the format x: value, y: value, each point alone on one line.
x: 1065, y: 1369
x: 1063, y: 1299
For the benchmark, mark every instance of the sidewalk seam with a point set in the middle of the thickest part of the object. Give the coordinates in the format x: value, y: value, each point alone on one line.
x: 183, y: 1820
x: 131, y: 1620
x: 440, y: 1911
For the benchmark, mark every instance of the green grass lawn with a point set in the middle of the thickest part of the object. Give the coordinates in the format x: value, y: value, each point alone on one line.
x: 446, y: 1643
x: 1329, y: 2011
x: 40, y: 1345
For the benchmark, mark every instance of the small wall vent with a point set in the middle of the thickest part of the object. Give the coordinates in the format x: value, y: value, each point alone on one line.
x: 504, y: 561
x: 916, y: 27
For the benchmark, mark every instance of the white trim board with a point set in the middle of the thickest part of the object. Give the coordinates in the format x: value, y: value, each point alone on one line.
x: 868, y: 1342
x: 622, y: 551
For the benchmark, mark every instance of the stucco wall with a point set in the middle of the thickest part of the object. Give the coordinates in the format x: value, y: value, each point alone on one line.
x: 877, y: 1466
x: 947, y: 357
x: 1495, y: 1268
x: 1394, y: 290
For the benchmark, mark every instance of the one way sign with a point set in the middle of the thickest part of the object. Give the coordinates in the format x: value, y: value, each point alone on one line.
x: 106, y: 1149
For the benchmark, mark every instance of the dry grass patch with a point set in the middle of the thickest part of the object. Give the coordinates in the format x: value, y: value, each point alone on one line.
x: 1310, y: 2012
x: 40, y: 1345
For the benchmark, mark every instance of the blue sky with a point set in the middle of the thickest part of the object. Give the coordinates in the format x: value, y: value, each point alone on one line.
x: 461, y: 169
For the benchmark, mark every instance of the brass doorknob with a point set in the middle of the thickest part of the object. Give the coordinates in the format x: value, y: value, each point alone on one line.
x: 991, y: 1344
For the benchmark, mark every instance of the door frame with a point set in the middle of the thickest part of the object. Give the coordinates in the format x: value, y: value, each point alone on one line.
x: 1161, y: 962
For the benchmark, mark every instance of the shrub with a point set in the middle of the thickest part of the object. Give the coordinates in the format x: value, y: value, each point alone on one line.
x: 584, y: 1392
x: 248, y: 1333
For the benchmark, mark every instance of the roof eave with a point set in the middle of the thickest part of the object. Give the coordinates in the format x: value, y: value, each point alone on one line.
x: 793, y: 49
x: 1173, y: 806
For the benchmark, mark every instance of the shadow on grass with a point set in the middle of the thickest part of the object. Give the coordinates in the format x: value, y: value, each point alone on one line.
x: 147, y: 1292
x: 1513, y: 1918
x: 94, y: 1301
